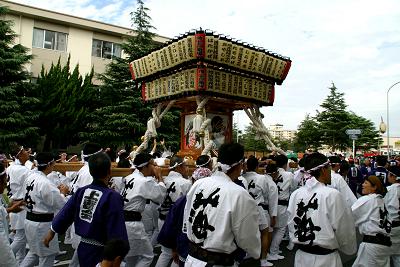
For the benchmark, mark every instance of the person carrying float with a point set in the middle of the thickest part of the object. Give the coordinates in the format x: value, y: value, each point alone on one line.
x: 320, y: 222
x: 139, y: 187
x: 221, y: 216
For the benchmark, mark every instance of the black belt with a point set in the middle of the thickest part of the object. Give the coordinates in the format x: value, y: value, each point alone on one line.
x: 283, y: 202
x: 395, y: 224
x: 132, y: 216
x: 162, y: 216
x: 35, y: 217
x: 264, y: 206
x: 379, y: 239
x: 316, y: 250
x: 212, y: 258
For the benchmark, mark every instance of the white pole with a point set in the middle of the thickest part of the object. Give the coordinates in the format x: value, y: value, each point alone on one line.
x: 354, y: 148
x: 387, y: 117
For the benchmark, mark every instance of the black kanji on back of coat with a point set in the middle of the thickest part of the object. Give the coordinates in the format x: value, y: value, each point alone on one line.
x: 28, y: 199
x: 252, y: 185
x: 277, y: 181
x: 199, y: 218
x: 304, y: 226
x: 384, y: 223
x: 128, y: 185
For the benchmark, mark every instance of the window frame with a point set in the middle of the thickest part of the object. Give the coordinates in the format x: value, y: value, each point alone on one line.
x: 55, y: 40
x: 101, y: 49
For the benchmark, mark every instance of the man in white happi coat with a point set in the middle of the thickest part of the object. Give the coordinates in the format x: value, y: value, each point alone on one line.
x: 81, y: 179
x: 139, y: 187
x: 320, y: 222
x: 17, y: 173
x: 286, y: 184
x: 392, y: 202
x: 177, y: 185
x: 42, y: 199
x: 7, y: 256
x: 339, y: 183
x: 258, y: 188
x: 220, y: 216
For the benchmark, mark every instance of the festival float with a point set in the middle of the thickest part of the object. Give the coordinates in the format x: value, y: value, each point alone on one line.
x: 208, y: 76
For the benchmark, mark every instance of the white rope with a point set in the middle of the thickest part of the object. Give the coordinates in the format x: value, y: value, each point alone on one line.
x: 152, y: 124
x: 256, y: 116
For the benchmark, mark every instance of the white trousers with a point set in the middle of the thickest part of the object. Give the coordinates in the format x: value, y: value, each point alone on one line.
x: 18, y: 246
x: 6, y: 254
x: 304, y: 259
x: 277, y: 236
x: 75, y: 260
x: 372, y: 255
x: 165, y: 258
x: 32, y: 259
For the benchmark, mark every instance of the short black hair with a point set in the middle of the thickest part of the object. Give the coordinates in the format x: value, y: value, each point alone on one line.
x: 90, y: 148
x: 271, y: 167
x: 301, y: 161
x: 123, y: 160
x: 334, y: 160
x: 115, y: 248
x: 381, y: 160
x: 230, y: 153
x: 175, y: 160
x: 281, y: 160
x: 44, y: 158
x: 252, y: 163
x: 99, y: 165
x: 313, y: 160
x: 142, y: 158
x: 202, y: 160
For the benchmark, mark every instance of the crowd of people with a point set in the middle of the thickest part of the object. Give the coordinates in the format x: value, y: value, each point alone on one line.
x: 229, y: 209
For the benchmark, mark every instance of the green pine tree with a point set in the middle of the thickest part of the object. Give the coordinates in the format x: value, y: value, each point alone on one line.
x: 66, y: 99
x: 333, y: 120
x: 308, y: 135
x: 17, y: 101
x: 121, y: 118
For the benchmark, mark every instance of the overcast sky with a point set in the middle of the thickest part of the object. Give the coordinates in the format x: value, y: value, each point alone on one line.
x: 355, y: 44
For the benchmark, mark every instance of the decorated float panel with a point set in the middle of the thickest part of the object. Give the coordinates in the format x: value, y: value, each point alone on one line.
x: 208, y: 76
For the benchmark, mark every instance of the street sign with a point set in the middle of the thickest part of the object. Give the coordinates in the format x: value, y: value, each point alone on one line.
x: 353, y: 131
x: 353, y: 136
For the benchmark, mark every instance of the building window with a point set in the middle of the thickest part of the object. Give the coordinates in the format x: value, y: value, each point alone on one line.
x: 49, y: 39
x: 105, y: 49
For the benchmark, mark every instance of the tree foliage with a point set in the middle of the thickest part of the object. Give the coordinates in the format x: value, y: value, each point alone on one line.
x: 329, y: 126
x: 17, y: 116
x: 66, y: 99
x: 122, y: 116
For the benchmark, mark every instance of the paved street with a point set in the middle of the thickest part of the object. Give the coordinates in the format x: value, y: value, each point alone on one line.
x: 288, y: 261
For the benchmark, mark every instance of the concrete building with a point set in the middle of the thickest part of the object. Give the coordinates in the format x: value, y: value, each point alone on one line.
x: 51, y: 35
x: 277, y: 131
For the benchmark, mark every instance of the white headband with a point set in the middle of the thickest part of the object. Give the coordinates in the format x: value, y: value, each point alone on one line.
x: 225, y: 167
x: 88, y: 155
x: 45, y: 164
x: 307, y: 174
x: 141, y: 165
x: 176, y: 165
x: 22, y: 148
x: 204, y: 164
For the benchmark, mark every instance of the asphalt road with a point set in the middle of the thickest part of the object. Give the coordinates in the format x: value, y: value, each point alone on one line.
x: 64, y: 260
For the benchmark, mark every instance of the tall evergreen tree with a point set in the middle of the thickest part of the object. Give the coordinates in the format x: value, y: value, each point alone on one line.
x: 329, y: 127
x: 121, y: 119
x: 66, y: 99
x: 333, y: 120
x: 17, y: 115
x: 308, y: 135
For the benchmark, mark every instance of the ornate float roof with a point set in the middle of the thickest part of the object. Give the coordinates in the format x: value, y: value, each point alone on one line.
x: 202, y: 62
